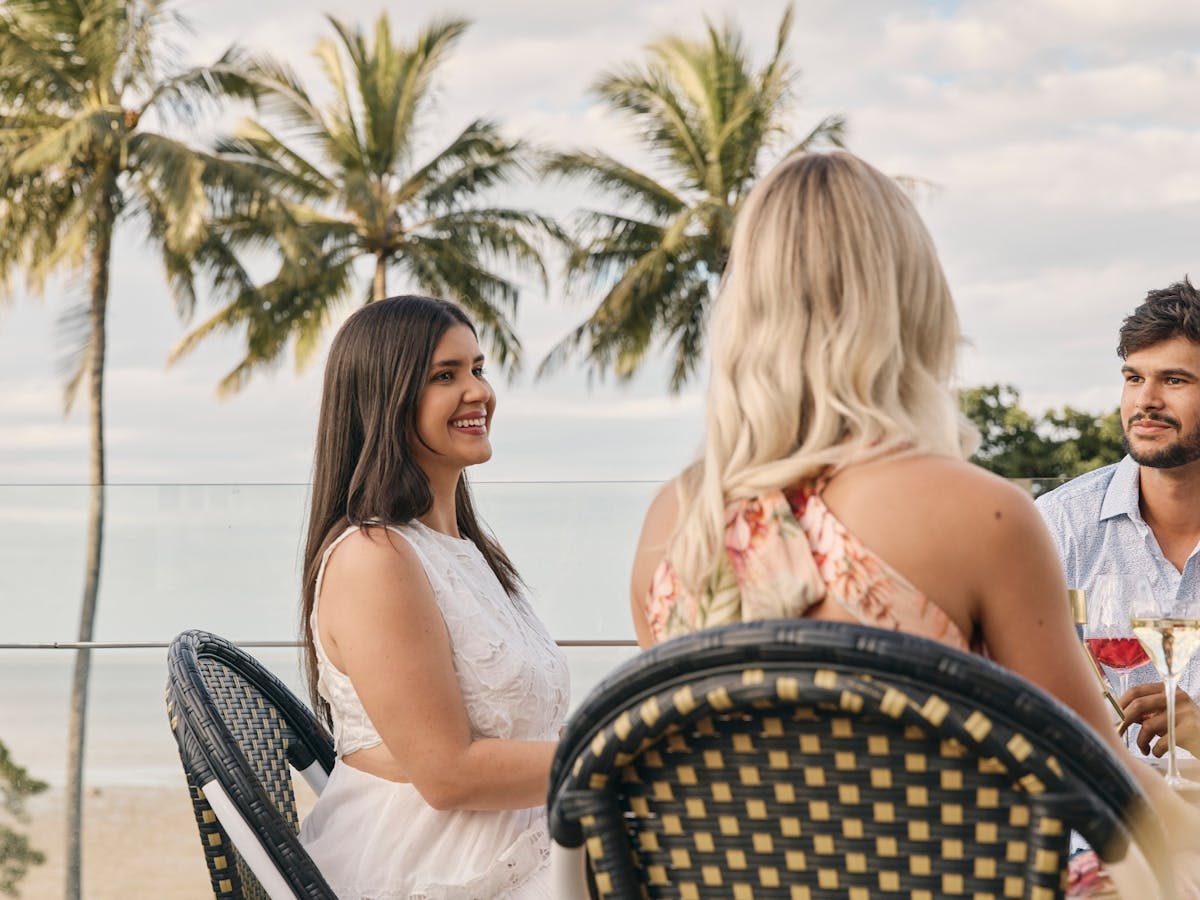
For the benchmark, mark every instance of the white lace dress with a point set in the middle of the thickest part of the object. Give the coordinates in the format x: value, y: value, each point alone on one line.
x: 379, y: 840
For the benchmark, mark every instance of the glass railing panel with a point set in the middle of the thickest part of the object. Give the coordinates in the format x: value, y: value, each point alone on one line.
x: 227, y: 558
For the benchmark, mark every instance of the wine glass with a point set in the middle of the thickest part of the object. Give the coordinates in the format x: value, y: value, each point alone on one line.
x: 1108, y: 634
x: 1169, y: 629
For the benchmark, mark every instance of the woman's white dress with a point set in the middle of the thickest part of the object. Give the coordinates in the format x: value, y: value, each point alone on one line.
x: 379, y: 840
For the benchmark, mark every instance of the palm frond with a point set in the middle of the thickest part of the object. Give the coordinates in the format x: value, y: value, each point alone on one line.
x: 651, y: 98
x: 283, y: 167
x: 708, y: 118
x: 185, y: 94
x: 411, y: 83
x: 74, y: 336
x: 273, y: 315
x: 35, y: 215
x: 622, y: 328
x: 77, y: 138
x: 174, y: 175
x: 627, y: 184
x: 497, y: 235
x: 33, y: 69
x: 441, y: 265
x: 281, y: 95
x: 831, y: 130
x: 478, y: 158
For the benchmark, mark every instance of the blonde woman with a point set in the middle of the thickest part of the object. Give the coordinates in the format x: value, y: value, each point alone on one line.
x: 833, y: 482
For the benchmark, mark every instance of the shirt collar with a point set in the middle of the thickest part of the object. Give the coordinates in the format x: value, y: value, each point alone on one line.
x: 1123, y: 495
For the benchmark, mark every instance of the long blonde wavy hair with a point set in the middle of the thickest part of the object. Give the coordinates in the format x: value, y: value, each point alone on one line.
x: 833, y: 338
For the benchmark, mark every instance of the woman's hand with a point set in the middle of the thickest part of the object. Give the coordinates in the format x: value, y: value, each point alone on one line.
x: 1146, y: 704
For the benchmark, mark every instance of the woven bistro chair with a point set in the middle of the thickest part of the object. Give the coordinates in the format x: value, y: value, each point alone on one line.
x: 240, y: 731
x: 807, y: 759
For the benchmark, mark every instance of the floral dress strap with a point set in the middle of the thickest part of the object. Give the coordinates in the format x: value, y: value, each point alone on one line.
x: 767, y: 572
x: 785, y: 554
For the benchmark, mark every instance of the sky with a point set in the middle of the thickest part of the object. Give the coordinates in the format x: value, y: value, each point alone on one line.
x: 1060, y: 140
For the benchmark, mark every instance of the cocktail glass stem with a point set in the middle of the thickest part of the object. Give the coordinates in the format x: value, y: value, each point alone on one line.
x: 1123, y: 689
x: 1173, y: 778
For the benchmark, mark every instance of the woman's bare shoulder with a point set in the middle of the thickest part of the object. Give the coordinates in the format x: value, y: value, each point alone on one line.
x: 952, y: 491
x: 929, y: 470
x: 371, y: 555
x: 663, y: 511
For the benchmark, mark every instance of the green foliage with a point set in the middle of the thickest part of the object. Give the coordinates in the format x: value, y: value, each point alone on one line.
x: 16, y: 856
x: 79, y: 83
x: 709, y: 118
x: 1058, y: 445
x: 325, y: 186
x: 83, y: 87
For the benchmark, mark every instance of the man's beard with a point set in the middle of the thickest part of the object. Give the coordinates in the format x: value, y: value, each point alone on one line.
x: 1183, y: 451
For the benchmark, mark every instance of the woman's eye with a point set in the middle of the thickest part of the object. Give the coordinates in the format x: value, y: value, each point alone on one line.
x: 442, y: 376
x: 479, y: 371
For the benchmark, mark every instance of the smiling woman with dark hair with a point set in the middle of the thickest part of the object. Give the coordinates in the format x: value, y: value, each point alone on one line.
x: 445, y: 692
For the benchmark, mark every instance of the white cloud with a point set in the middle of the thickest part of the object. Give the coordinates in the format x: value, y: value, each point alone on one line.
x: 959, y: 46
x: 1062, y: 135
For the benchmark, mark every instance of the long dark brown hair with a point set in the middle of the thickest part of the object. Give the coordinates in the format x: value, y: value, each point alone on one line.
x: 363, y: 471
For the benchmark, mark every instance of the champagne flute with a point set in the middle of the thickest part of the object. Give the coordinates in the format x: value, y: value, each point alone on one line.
x: 1108, y: 634
x: 1169, y: 629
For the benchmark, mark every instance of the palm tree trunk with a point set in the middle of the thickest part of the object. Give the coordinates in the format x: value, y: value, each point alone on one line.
x: 95, y: 534
x: 379, y: 285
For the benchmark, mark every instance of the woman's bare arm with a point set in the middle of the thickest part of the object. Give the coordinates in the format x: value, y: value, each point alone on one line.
x: 657, y: 528
x: 381, y: 625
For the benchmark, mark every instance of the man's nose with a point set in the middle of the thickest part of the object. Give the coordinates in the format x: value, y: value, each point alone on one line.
x: 1148, y: 396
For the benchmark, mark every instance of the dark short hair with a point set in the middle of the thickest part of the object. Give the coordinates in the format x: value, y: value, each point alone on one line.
x: 1171, y: 312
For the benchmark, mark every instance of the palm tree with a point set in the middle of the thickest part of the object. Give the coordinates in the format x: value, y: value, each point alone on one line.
x: 708, y: 119
x: 79, y: 83
x: 343, y: 187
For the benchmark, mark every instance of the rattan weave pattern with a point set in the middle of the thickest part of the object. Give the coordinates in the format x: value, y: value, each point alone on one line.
x: 220, y: 857
x: 255, y: 724
x: 236, y: 723
x: 816, y: 777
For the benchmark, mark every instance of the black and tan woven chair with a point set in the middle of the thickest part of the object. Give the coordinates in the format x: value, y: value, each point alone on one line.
x: 240, y: 731
x: 805, y: 759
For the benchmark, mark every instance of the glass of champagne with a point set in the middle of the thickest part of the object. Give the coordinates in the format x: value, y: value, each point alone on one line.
x: 1108, y: 634
x: 1169, y: 629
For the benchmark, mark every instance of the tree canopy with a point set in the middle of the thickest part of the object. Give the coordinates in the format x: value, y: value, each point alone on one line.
x: 339, y: 182
x: 1056, y: 445
x: 710, y: 119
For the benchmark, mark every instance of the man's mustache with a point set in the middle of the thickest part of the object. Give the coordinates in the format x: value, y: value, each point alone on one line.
x: 1152, y: 417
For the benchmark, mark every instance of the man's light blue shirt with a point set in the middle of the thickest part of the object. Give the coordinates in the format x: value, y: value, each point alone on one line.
x: 1097, y: 526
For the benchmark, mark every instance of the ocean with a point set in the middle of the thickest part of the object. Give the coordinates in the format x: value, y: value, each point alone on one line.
x: 226, y: 558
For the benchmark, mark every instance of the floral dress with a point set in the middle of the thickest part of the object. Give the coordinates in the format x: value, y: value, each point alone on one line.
x: 786, y: 554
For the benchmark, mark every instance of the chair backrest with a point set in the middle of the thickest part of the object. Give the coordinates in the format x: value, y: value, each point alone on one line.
x: 240, y: 731
x: 822, y: 760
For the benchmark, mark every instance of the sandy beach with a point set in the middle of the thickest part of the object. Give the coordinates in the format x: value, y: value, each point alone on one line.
x: 138, y: 842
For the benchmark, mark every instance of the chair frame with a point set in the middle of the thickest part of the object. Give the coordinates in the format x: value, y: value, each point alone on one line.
x: 1071, y: 777
x: 249, y: 835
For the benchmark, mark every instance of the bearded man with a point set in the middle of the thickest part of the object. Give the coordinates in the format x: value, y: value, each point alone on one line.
x: 1141, y: 516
